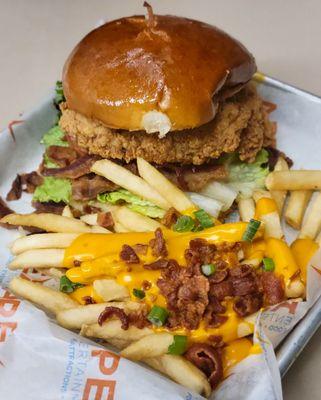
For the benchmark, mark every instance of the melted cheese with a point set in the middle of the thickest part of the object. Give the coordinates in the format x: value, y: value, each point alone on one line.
x: 303, y: 250
x: 91, y: 246
x: 235, y: 352
x: 265, y: 206
x: 285, y: 264
x: 86, y: 291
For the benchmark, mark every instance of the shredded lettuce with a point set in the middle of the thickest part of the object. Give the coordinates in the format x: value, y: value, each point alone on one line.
x: 59, y: 97
x: 53, y: 189
x: 134, y: 202
x: 54, y: 137
x: 247, y: 177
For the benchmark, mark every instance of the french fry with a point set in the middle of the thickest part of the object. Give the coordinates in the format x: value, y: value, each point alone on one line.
x: 134, y: 221
x: 42, y: 258
x: 43, y: 241
x: 153, y: 345
x: 295, y: 289
x: 279, y: 196
x: 119, y: 228
x: 66, y: 212
x: 246, y: 209
x: 173, y: 195
x: 312, y: 223
x: 295, y: 209
x: 112, y: 330
x: 42, y: 296
x: 91, y: 219
x: 266, y: 211
x: 318, y: 239
x: 294, y: 180
x: 126, y: 179
x: 54, y: 272
x: 48, y: 222
x: 75, y: 317
x: 181, y: 371
x: 109, y: 289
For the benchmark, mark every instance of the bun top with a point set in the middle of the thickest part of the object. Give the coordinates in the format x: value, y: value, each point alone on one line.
x: 158, y: 73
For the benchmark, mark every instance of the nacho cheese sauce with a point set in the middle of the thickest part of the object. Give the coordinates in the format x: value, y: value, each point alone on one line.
x: 99, y: 257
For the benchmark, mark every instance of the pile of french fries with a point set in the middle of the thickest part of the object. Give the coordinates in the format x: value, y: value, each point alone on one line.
x: 45, y: 252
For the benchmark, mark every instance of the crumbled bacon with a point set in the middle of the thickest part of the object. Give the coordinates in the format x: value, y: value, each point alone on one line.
x: 105, y: 219
x: 170, y: 217
x: 158, y: 244
x: 49, y: 207
x: 77, y: 168
x: 161, y: 263
x: 222, y: 289
x: 16, y: 189
x: 128, y: 255
x: 219, y: 276
x: 63, y: 156
x: 141, y: 248
x: 110, y: 312
x: 30, y: 181
x: 249, y: 304
x: 139, y: 318
x: 88, y: 186
x: 88, y: 300
x: 272, y: 288
x: 208, y: 360
x: 146, y: 285
x: 215, y: 320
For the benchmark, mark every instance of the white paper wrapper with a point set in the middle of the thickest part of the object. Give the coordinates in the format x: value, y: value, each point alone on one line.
x: 39, y: 359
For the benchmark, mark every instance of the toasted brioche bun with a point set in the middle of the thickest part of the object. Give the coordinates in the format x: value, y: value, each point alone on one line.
x: 168, y: 73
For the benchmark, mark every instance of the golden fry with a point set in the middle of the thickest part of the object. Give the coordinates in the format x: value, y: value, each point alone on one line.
x: 312, y: 223
x: 42, y: 296
x: 279, y: 196
x: 294, y: 180
x: 134, y: 221
x: 246, y: 209
x: 296, y: 207
x: 109, y: 289
x: 43, y: 258
x: 153, y: 345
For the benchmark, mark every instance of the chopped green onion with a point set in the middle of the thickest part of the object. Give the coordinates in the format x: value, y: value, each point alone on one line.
x: 157, y: 315
x: 251, y: 229
x: 67, y: 286
x: 268, y: 264
x: 184, y: 224
x: 208, y: 269
x: 203, y: 218
x: 178, y: 346
x: 140, y: 294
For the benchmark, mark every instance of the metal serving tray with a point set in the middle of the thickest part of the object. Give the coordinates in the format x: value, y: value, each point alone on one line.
x: 298, y: 116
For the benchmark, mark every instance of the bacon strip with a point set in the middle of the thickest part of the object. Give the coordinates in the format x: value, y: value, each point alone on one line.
x: 110, y: 312
x: 81, y: 166
x: 208, y: 360
x: 128, y: 255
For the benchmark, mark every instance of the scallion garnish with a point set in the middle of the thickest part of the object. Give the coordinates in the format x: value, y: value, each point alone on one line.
x: 184, y: 224
x: 157, y: 315
x: 203, y: 218
x: 268, y: 264
x: 67, y: 286
x: 251, y: 229
x: 208, y: 269
x: 140, y: 294
x: 178, y: 346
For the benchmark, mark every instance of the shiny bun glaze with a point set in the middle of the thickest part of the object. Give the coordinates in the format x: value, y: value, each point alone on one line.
x: 180, y: 67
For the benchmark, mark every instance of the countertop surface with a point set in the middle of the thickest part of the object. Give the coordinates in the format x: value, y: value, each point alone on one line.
x: 37, y: 36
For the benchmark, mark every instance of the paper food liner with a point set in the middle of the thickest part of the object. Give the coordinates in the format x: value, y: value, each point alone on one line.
x: 39, y: 359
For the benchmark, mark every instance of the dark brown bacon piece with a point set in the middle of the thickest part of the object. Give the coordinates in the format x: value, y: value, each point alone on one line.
x: 222, y: 289
x: 105, y: 219
x: 16, y: 189
x: 208, y: 360
x: 139, y: 318
x: 249, y: 304
x: 243, y: 280
x: 158, y: 244
x: 88, y: 300
x: 219, y: 276
x: 128, y: 255
x: 49, y: 207
x: 81, y: 166
x: 88, y: 186
x: 170, y: 217
x: 158, y: 264
x: 272, y: 288
x: 215, y: 320
x: 30, y: 181
x: 110, y: 312
x: 63, y: 156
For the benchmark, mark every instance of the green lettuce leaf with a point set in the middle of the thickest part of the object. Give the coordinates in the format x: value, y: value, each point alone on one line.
x: 53, y: 189
x: 134, y: 202
x: 248, y: 177
x: 54, y: 137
